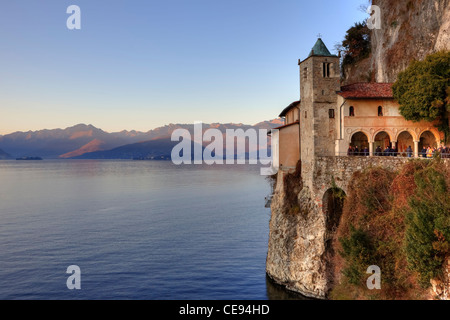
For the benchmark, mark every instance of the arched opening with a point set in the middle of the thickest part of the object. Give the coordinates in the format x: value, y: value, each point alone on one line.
x: 405, y: 144
x: 351, y: 111
x: 332, y: 206
x: 326, y: 70
x: 427, y: 139
x: 360, y: 144
x: 382, y: 143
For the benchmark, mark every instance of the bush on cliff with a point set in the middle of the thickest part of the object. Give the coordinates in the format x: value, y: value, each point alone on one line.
x: 428, y: 224
x: 358, y: 249
x: 404, y: 229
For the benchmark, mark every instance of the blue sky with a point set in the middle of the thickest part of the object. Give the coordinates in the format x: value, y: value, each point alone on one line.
x: 142, y: 64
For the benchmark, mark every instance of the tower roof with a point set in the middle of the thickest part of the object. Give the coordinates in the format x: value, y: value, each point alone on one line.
x: 320, y: 49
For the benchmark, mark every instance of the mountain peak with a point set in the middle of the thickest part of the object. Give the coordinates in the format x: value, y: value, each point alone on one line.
x: 82, y: 126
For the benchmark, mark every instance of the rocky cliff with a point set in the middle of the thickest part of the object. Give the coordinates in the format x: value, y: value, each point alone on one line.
x: 410, y: 29
x: 294, y: 258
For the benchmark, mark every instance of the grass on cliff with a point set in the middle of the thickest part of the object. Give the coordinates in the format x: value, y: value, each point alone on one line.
x: 399, y: 221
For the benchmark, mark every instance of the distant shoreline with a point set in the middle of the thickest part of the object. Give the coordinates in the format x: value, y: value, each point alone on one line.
x: 29, y: 158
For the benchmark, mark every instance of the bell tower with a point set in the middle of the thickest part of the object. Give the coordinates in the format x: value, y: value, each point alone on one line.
x: 319, y: 84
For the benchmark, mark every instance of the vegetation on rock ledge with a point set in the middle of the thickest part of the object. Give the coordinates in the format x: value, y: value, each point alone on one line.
x: 356, y: 45
x: 399, y: 221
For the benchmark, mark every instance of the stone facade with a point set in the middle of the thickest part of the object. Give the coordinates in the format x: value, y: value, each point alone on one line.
x: 360, y: 116
x: 332, y: 117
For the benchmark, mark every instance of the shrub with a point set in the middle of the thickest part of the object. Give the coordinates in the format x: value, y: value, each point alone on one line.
x: 358, y: 251
x: 428, y: 225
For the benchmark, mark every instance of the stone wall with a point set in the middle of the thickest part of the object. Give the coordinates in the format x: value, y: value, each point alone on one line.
x: 342, y: 169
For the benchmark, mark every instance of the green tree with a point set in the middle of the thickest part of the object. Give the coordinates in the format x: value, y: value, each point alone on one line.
x: 422, y: 90
x: 356, y: 45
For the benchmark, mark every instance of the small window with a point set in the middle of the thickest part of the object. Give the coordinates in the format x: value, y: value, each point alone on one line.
x: 326, y: 70
x: 380, y: 111
x: 305, y: 73
x: 306, y: 114
x: 331, y: 113
x: 352, y: 111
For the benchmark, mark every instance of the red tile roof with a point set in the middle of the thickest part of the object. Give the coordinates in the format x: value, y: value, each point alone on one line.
x: 367, y: 91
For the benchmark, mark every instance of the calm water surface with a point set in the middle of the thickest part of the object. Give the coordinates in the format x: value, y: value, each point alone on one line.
x: 137, y: 230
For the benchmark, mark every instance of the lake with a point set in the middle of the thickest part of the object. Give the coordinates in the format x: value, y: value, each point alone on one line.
x: 137, y: 230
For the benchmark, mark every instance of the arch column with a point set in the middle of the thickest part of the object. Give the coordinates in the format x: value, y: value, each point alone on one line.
x: 371, y: 144
x: 416, y: 149
x: 394, y: 146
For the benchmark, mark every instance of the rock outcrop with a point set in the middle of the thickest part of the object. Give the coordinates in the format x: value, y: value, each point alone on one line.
x: 410, y: 30
x: 440, y: 288
x: 294, y: 258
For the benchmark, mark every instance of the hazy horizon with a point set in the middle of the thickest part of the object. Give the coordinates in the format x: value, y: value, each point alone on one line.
x: 144, y: 131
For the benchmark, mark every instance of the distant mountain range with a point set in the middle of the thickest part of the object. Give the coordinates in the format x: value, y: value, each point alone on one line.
x: 4, y: 155
x: 88, y: 142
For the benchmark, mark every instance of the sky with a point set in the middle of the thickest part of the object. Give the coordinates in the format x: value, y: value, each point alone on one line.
x: 139, y: 65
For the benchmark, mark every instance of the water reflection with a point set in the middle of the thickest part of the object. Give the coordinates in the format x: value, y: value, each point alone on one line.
x: 278, y: 292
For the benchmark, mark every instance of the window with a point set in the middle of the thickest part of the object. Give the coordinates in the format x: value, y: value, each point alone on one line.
x: 380, y: 111
x: 351, y: 111
x: 331, y: 113
x: 306, y: 114
x: 326, y: 70
x: 305, y: 73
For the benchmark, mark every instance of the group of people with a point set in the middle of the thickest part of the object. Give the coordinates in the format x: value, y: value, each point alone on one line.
x: 429, y: 152
x: 354, y: 151
x: 387, y: 152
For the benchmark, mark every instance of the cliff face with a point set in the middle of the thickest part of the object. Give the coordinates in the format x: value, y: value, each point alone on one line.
x: 296, y: 245
x: 304, y: 221
x: 410, y: 29
x: 307, y: 224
